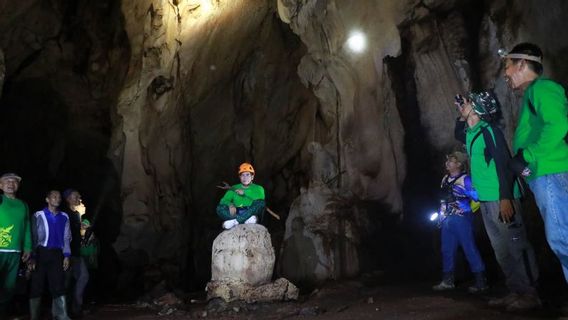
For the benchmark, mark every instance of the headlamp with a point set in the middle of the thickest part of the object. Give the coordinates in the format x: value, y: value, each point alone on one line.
x: 502, y: 53
x: 505, y: 55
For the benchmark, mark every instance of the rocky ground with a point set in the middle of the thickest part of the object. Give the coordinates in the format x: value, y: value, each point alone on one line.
x: 343, y: 300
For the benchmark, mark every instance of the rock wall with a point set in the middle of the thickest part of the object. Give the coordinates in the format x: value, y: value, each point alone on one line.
x: 210, y: 85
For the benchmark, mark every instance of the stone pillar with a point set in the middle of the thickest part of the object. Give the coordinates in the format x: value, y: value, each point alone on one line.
x: 242, y: 262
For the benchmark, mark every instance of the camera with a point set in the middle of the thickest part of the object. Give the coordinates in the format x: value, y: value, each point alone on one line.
x: 459, y: 100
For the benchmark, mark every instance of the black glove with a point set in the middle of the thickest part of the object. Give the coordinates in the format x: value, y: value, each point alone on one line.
x: 518, y: 163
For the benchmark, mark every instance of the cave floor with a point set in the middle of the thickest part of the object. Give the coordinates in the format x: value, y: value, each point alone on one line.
x: 346, y: 300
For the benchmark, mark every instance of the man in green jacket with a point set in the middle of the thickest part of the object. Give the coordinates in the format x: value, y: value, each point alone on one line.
x: 15, y: 237
x: 499, y: 196
x: 243, y: 202
x: 541, y: 142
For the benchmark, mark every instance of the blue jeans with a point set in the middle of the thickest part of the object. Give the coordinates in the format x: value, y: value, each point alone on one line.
x: 551, y: 195
x: 513, y: 251
x: 458, y: 231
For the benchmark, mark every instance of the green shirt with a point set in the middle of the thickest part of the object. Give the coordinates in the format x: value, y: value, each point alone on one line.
x: 489, y: 156
x: 252, y: 192
x: 542, y: 128
x: 15, y: 232
x: 252, y: 203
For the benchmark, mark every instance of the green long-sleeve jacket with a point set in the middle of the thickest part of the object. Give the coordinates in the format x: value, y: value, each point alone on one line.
x: 489, y: 156
x: 15, y: 232
x: 542, y: 128
x: 250, y: 203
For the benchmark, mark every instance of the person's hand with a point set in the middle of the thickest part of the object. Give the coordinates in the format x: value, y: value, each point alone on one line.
x: 26, y: 256
x: 240, y: 192
x: 65, y: 263
x: 506, y: 211
x: 519, y: 165
x: 31, y: 264
x: 232, y: 210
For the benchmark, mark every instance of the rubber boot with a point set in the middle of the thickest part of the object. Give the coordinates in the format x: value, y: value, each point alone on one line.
x: 446, y: 284
x: 480, y: 284
x: 35, y: 308
x: 59, y: 308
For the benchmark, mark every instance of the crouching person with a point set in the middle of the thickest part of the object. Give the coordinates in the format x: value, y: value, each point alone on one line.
x: 243, y: 202
x: 457, y: 224
x: 51, y: 237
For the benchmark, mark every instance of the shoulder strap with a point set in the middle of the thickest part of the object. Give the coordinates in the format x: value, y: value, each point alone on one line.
x: 473, y: 140
x: 448, y: 184
x: 532, y: 108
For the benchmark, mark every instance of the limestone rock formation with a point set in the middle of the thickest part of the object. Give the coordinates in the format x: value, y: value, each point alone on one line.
x: 2, y: 71
x: 244, y: 253
x: 322, y: 236
x: 242, y: 265
x: 279, y: 290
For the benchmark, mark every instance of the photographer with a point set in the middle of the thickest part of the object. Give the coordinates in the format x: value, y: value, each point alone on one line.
x: 457, y: 224
x: 499, y: 194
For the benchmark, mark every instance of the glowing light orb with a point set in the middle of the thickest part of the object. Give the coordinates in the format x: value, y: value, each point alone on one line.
x: 357, y: 42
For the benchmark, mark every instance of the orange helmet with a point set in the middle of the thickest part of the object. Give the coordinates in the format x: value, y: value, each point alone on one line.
x: 246, y: 167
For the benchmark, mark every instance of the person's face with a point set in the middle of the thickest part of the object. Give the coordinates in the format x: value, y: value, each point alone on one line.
x: 74, y: 199
x: 452, y: 164
x: 246, y: 178
x: 53, y: 199
x: 9, y: 185
x: 513, y: 72
x: 466, y: 109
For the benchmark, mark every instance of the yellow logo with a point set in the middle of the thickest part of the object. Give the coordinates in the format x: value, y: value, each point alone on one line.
x: 5, y: 236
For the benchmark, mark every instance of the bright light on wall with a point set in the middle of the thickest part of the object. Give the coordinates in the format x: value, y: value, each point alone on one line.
x: 357, y: 42
x: 206, y: 6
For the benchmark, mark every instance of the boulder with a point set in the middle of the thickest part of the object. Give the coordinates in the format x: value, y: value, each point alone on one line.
x: 243, y: 254
x: 241, y: 267
x: 279, y: 290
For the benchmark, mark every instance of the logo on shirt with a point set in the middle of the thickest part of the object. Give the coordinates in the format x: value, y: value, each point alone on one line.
x: 5, y: 236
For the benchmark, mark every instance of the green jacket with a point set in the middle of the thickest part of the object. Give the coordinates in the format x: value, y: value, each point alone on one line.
x: 15, y: 232
x: 542, y: 128
x: 249, y: 204
x: 489, y: 156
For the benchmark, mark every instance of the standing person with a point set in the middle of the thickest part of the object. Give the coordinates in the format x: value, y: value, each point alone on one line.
x: 457, y: 224
x: 540, y: 142
x: 79, y: 272
x: 243, y: 202
x: 15, y: 237
x: 51, y: 237
x: 499, y: 196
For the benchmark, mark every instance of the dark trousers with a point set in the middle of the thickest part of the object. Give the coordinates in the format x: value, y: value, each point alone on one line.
x: 49, y: 265
x: 9, y: 262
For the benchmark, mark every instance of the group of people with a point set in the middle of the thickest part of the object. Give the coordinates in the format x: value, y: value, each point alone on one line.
x: 540, y: 148
x: 54, y: 246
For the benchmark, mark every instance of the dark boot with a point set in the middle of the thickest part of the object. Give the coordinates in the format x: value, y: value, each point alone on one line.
x: 59, y: 308
x: 480, y: 284
x: 446, y: 284
x: 35, y: 308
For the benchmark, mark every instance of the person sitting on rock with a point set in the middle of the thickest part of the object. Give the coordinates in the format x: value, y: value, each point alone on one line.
x: 243, y: 202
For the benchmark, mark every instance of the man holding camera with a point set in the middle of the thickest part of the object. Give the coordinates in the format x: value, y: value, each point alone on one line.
x: 499, y: 194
